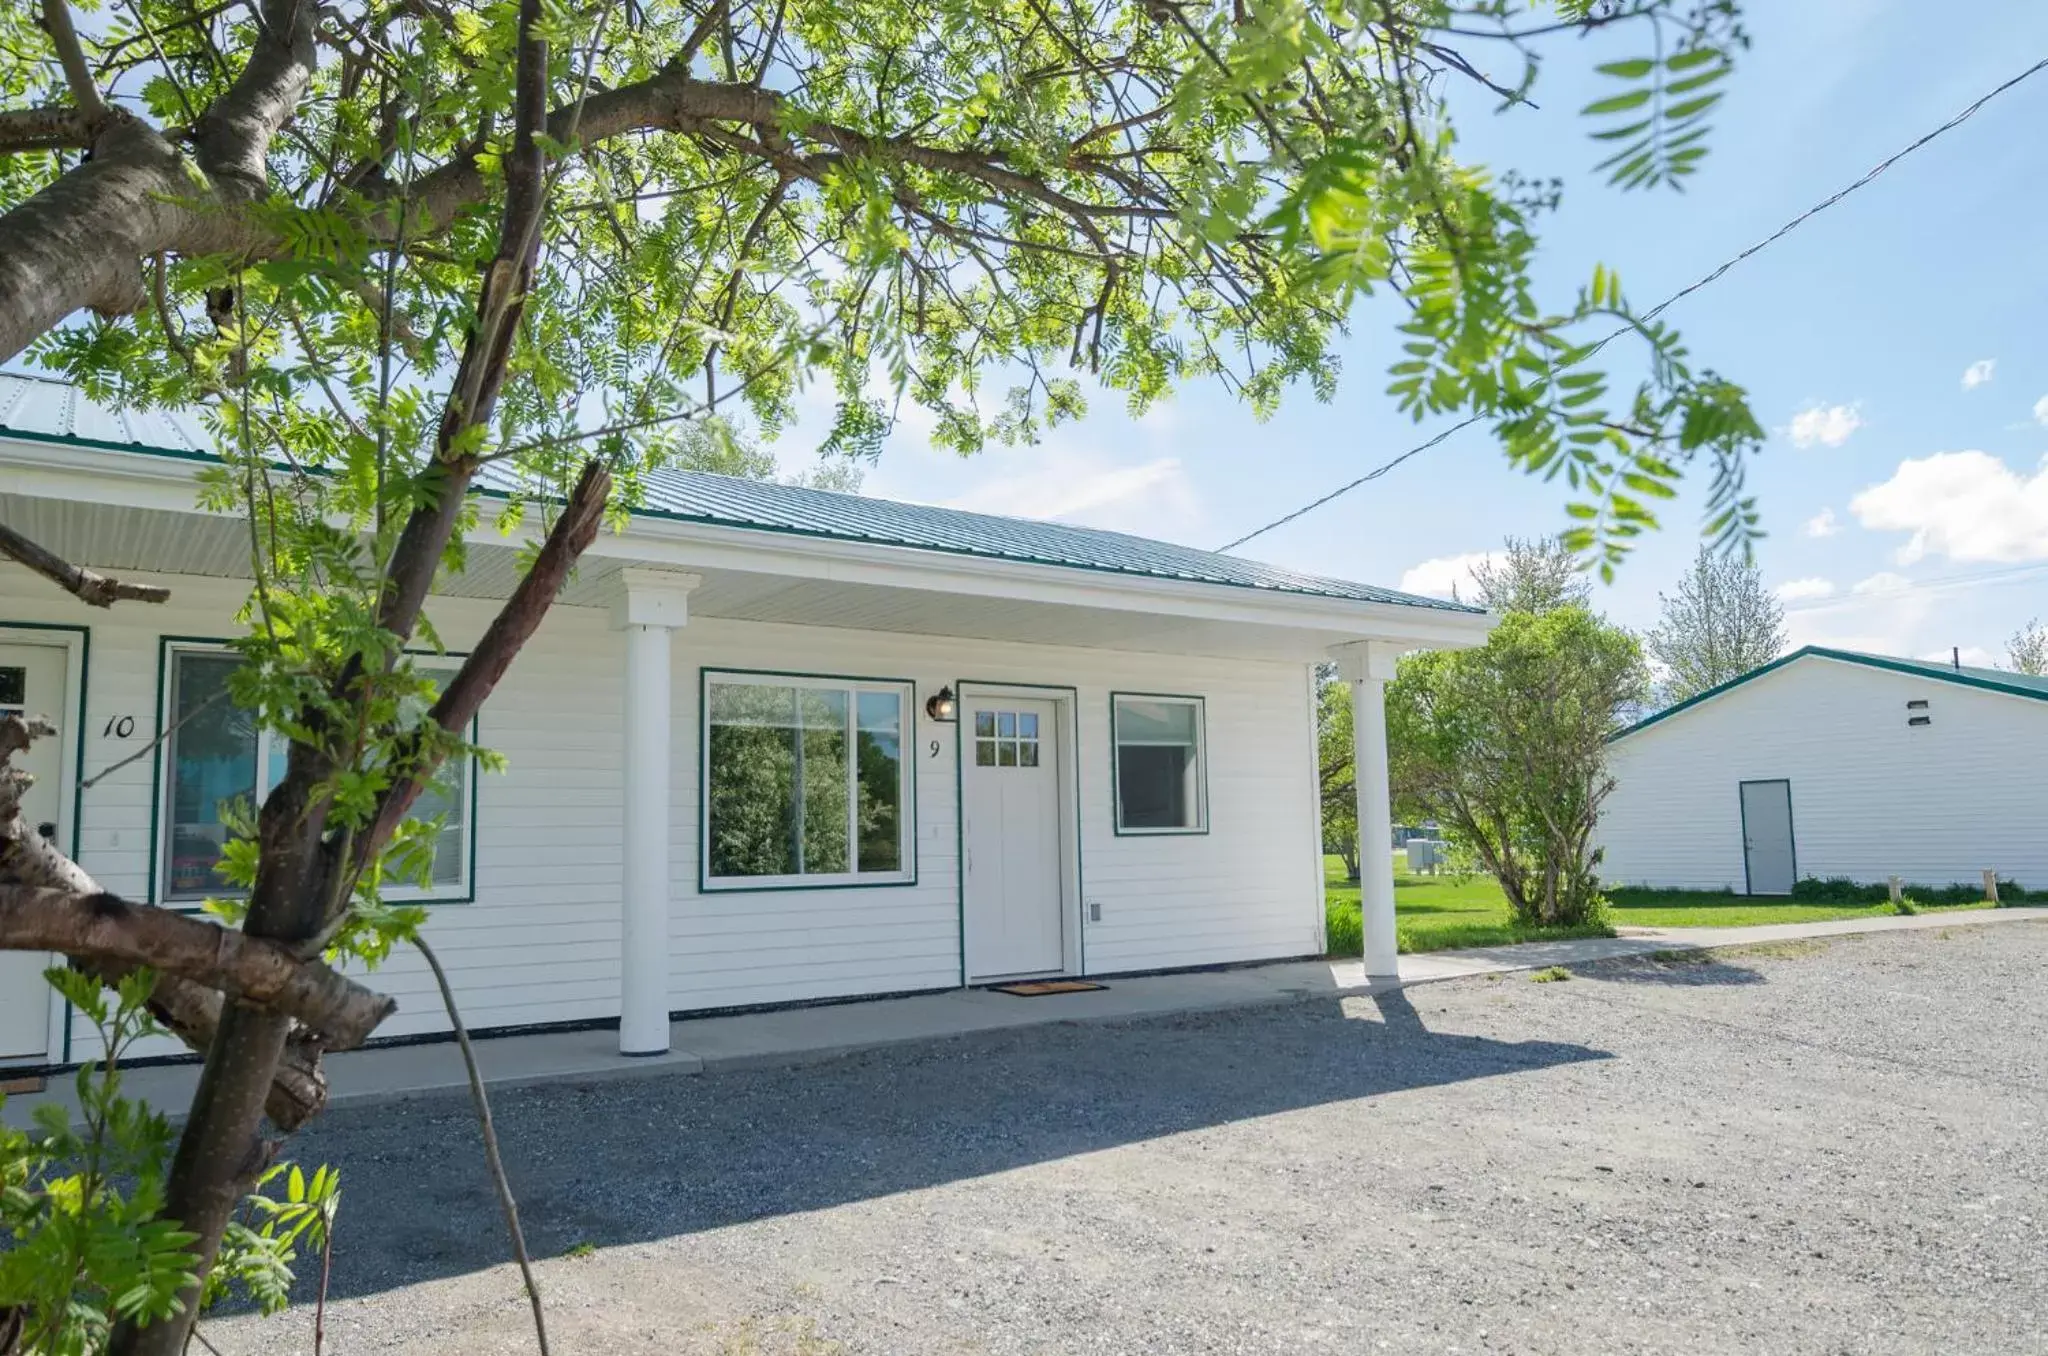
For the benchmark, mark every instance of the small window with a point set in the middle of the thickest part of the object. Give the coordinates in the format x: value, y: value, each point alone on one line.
x: 1160, y: 772
x: 217, y: 755
x: 805, y: 782
x: 1006, y: 739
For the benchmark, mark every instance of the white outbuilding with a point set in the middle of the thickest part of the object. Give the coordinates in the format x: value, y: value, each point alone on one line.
x: 1830, y: 763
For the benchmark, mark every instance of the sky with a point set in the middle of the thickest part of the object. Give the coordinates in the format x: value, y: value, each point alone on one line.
x: 1896, y: 346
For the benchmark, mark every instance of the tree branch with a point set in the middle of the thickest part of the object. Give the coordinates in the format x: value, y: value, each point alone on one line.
x: 234, y: 134
x: 188, y: 1008
x: 514, y: 625
x: 51, y: 127
x: 104, y: 928
x: 86, y: 585
x: 56, y: 21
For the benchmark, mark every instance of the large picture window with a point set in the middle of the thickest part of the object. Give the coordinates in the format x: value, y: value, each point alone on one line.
x: 805, y: 781
x: 1160, y: 774
x: 217, y: 755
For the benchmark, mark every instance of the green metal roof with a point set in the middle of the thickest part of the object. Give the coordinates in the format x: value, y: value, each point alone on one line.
x: 1991, y: 680
x: 41, y: 410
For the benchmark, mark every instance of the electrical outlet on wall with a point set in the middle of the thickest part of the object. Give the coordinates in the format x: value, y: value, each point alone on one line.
x: 1095, y: 911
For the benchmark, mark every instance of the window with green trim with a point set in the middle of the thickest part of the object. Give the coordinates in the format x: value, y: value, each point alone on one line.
x: 805, y: 782
x: 217, y: 756
x: 1160, y: 782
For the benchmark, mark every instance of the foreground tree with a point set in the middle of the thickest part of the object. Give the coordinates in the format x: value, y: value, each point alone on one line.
x: 1506, y: 745
x: 389, y: 249
x: 1718, y: 624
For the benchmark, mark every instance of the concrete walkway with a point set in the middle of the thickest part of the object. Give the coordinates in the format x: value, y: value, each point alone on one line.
x: 805, y: 1035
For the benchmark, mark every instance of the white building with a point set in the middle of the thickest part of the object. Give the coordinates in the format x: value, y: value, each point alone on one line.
x: 1129, y: 784
x: 1832, y: 763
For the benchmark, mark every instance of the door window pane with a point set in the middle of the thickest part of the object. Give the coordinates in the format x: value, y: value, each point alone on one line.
x: 1159, y: 784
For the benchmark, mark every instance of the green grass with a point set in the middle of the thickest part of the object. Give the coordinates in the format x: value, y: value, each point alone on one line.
x: 1436, y: 913
x: 1715, y: 909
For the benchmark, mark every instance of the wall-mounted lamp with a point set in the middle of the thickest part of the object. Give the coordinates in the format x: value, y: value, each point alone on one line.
x: 941, y: 706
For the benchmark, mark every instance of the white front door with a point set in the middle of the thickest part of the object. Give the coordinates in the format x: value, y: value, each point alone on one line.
x: 1010, y: 794
x: 32, y: 683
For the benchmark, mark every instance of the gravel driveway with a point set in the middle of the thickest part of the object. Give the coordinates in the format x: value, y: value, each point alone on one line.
x: 1820, y: 1148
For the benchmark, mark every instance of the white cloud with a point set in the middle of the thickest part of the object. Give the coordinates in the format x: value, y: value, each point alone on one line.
x: 1802, y: 590
x: 1875, y: 615
x: 1437, y: 578
x: 1883, y: 582
x: 1822, y: 524
x: 1979, y: 372
x: 1078, y: 485
x: 2041, y: 410
x: 1824, y: 425
x: 1964, y: 505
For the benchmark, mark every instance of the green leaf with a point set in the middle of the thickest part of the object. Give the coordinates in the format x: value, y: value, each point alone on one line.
x: 1617, y: 103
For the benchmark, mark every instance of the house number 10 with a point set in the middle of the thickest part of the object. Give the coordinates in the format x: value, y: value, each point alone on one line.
x: 118, y: 727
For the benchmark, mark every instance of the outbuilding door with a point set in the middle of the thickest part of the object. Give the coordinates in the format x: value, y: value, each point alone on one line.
x: 32, y: 683
x: 1767, y: 850
x: 1014, y: 910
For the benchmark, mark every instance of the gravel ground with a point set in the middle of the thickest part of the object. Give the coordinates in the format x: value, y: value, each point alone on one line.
x: 1815, y: 1148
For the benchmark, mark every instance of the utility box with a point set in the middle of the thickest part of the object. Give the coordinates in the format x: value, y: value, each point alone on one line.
x: 1425, y: 856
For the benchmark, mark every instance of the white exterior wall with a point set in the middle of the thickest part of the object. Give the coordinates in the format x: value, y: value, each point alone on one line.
x: 1872, y: 797
x: 540, y: 941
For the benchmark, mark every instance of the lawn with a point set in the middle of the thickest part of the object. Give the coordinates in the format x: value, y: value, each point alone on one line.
x: 1436, y: 913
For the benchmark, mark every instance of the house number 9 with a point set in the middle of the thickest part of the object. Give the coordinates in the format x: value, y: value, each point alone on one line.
x: 935, y: 748
x: 118, y: 727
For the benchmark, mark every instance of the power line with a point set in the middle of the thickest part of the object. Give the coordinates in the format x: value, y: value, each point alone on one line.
x: 1932, y: 584
x: 1681, y: 294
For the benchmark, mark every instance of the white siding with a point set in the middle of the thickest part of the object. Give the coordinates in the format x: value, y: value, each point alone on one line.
x: 1236, y: 893
x: 1871, y: 796
x: 540, y: 942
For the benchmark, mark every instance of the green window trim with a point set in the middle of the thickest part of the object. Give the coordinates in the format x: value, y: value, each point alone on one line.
x: 1199, y: 782
x: 853, y: 687
x: 462, y: 891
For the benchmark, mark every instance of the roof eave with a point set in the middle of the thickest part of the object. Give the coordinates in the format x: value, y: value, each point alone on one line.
x: 150, y: 479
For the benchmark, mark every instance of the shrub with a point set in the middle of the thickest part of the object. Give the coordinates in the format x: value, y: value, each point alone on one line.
x: 1839, y: 890
x: 1343, y: 928
x: 1844, y: 890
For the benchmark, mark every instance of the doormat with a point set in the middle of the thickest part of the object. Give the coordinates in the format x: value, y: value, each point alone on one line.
x: 1039, y: 988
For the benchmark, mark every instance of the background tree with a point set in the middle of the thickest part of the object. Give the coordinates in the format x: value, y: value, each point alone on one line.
x: 1335, y: 755
x: 1718, y: 624
x: 716, y: 446
x: 2027, y: 651
x: 385, y: 250
x: 1505, y: 745
x: 1537, y: 575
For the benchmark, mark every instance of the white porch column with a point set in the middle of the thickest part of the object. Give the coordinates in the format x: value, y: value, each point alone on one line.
x: 653, y: 605
x: 1369, y: 665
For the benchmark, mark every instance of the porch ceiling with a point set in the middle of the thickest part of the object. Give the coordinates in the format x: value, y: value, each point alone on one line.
x: 155, y: 541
